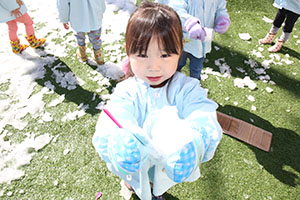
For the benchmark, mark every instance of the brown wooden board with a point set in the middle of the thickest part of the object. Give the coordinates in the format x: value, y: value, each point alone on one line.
x: 245, y: 131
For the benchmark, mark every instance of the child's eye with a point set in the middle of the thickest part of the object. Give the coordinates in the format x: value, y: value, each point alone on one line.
x: 142, y: 55
x: 165, y: 55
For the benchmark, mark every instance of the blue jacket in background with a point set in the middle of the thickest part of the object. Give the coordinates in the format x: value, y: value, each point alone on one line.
x: 291, y: 5
x: 207, y: 11
x: 83, y: 15
x: 6, y: 6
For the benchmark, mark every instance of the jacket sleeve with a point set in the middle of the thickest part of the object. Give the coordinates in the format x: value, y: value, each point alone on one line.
x: 9, y: 5
x: 121, y: 107
x: 180, y: 6
x: 63, y: 7
x: 221, y: 9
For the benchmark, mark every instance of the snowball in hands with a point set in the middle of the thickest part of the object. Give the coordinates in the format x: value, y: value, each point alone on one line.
x: 180, y: 146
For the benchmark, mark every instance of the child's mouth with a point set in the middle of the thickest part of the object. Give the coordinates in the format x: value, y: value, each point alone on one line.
x: 154, y: 79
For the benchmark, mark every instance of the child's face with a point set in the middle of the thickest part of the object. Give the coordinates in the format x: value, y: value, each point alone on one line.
x: 154, y: 66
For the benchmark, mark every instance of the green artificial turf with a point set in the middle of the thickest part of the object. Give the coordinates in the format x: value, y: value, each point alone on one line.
x: 237, y: 171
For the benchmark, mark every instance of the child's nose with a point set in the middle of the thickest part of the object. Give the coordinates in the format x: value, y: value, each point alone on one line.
x: 154, y: 65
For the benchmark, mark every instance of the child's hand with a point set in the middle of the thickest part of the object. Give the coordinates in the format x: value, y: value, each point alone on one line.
x: 194, y: 28
x: 66, y: 25
x: 126, y: 152
x: 222, y: 24
x: 180, y: 165
x: 19, y: 2
x: 16, y: 13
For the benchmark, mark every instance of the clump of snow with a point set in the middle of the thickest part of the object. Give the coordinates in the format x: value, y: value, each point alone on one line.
x: 57, y: 101
x: 224, y: 67
x: 251, y: 98
x: 251, y: 62
x: 13, y: 156
x: 241, y: 83
x: 66, y: 151
x: 245, y: 36
x: 258, y: 54
x: 268, y: 20
x: 270, y: 90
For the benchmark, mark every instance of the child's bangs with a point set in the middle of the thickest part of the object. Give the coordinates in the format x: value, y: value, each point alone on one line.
x: 154, y: 24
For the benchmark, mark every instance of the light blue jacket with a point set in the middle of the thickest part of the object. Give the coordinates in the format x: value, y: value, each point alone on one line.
x: 6, y: 6
x: 291, y: 5
x: 207, y: 11
x: 133, y: 101
x: 83, y: 15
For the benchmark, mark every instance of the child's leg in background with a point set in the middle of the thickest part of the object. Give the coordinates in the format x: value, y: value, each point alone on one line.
x: 80, y: 37
x: 12, y: 30
x: 94, y: 37
x: 13, y: 27
x: 289, y: 23
x: 27, y: 21
x: 13, y: 37
x: 279, y: 19
x: 81, y: 53
x: 182, y: 61
x: 290, y: 20
x: 196, y: 65
x: 30, y: 36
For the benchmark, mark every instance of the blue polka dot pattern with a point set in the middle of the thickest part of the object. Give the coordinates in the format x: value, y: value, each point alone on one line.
x: 180, y: 165
x: 125, y: 154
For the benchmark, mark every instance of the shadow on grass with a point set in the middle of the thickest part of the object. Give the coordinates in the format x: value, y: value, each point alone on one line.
x: 78, y: 95
x: 237, y: 60
x: 283, y: 157
x: 167, y: 196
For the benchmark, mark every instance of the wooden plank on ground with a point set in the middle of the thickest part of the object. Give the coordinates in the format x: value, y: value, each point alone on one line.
x: 244, y: 131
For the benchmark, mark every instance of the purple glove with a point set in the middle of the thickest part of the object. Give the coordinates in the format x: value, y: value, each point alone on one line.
x: 222, y: 24
x: 194, y: 28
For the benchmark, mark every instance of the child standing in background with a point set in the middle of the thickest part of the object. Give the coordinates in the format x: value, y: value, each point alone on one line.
x: 195, y: 16
x: 12, y: 12
x: 85, y: 16
x: 288, y: 11
x: 169, y: 126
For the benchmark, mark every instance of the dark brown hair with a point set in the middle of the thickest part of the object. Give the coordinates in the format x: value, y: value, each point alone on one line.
x: 153, y: 20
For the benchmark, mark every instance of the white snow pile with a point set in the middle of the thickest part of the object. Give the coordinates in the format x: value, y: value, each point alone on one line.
x: 245, y: 36
x: 13, y: 156
x: 245, y: 82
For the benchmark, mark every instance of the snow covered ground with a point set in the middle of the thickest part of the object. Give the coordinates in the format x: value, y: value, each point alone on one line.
x: 19, y: 72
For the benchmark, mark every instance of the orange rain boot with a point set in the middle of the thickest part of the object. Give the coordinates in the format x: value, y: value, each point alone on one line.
x: 17, y: 47
x: 34, y: 42
x: 81, y: 53
x: 98, y: 57
x: 268, y: 39
x: 276, y: 47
